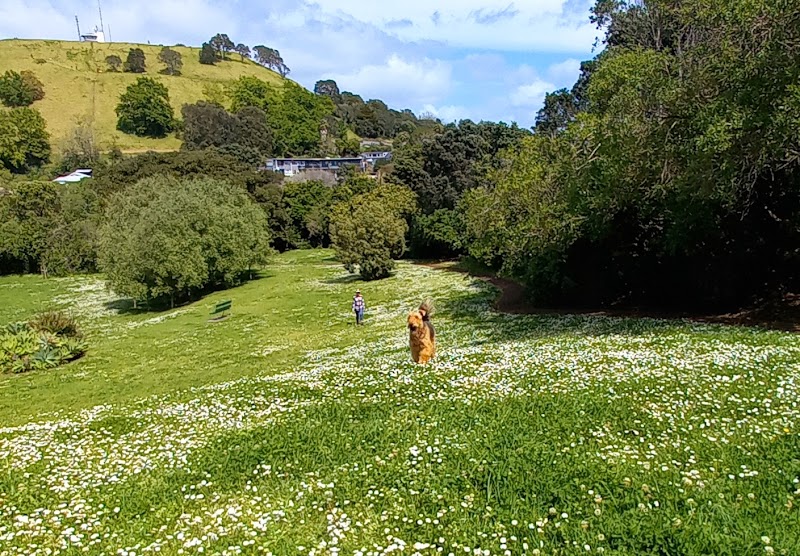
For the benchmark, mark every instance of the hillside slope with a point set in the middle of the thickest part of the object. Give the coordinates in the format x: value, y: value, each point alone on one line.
x: 79, y: 86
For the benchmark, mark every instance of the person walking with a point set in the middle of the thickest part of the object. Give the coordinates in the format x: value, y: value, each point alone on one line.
x: 358, y: 307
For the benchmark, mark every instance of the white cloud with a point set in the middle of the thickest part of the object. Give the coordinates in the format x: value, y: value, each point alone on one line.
x: 400, y: 81
x: 531, y: 95
x: 565, y: 72
x: 545, y: 25
x: 449, y: 113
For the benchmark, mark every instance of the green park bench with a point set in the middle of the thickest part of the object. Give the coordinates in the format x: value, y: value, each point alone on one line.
x: 221, y: 307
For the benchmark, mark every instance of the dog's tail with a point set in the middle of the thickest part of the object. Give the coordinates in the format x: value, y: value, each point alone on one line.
x: 427, y: 308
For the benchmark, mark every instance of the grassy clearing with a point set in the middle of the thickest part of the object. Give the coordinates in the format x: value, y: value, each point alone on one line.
x: 287, y: 430
x: 78, y: 86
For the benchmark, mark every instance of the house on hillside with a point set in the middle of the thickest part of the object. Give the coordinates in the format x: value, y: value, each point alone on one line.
x: 292, y: 166
x: 76, y: 176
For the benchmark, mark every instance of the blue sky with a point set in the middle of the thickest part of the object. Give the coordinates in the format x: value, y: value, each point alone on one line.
x: 478, y: 59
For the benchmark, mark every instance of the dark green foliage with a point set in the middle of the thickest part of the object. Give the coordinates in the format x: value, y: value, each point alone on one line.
x: 294, y: 117
x: 328, y: 88
x: 441, y: 167
x: 169, y: 239
x: 222, y: 45
x: 26, y: 218
x: 144, y: 109
x: 16, y: 90
x: 182, y: 164
x: 242, y: 50
x: 249, y: 91
x: 244, y: 134
x: 172, y: 60
x: 47, y: 341
x: 271, y: 58
x: 440, y: 234
x: 207, y: 55
x: 559, y: 110
x: 368, y: 232
x: 135, y: 63
x: 24, y: 140
x: 113, y: 62
x: 676, y: 184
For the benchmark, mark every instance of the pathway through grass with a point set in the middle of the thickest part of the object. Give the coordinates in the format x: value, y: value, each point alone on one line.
x: 286, y: 430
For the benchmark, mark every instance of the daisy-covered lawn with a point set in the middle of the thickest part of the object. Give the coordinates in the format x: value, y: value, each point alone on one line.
x: 287, y: 430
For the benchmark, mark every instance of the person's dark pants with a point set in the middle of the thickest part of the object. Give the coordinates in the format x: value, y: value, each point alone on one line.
x: 359, y: 316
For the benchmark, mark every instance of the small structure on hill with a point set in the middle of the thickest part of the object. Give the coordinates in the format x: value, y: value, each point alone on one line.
x: 292, y: 166
x: 94, y: 36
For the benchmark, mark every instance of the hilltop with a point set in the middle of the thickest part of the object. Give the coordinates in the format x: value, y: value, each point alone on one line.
x: 78, y: 84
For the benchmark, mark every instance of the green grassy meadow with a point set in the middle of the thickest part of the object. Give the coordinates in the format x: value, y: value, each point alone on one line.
x: 78, y: 87
x: 286, y: 430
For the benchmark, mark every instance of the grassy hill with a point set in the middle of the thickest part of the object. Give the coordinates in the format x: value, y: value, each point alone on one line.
x: 287, y: 426
x: 79, y: 86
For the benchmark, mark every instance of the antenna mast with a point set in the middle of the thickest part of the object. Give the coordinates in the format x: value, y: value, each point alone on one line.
x: 78, y: 25
x: 102, y: 28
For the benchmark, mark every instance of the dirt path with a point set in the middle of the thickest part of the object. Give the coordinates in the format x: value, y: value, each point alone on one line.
x: 512, y: 300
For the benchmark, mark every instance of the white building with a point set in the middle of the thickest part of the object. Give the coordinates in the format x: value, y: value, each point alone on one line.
x: 95, y: 36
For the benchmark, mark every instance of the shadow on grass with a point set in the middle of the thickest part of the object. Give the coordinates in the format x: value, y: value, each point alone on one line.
x: 125, y: 306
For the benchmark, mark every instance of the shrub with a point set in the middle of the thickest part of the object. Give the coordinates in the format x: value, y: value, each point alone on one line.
x: 368, y: 232
x: 165, y: 238
x: 33, y: 84
x: 24, y: 140
x: 47, y: 341
x: 135, y: 62
x: 144, y: 109
x: 113, y: 62
x: 15, y: 91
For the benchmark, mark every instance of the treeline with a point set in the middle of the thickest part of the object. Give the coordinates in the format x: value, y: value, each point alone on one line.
x: 668, y: 176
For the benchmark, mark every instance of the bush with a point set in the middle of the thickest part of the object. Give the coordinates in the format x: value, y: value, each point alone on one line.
x: 135, y: 62
x: 368, y: 232
x: 24, y: 140
x: 144, y: 109
x: 169, y: 239
x: 14, y: 91
x: 33, y: 84
x: 207, y: 55
x: 47, y: 341
x: 113, y: 62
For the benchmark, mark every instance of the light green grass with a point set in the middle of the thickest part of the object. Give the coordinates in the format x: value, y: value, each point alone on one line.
x: 287, y: 430
x: 78, y: 86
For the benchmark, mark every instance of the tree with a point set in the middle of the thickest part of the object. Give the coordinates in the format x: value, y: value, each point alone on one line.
x: 144, y: 109
x: 172, y: 239
x: 271, y: 58
x: 33, y: 84
x: 24, y: 140
x: 135, y: 62
x: 208, y: 125
x: 328, y: 88
x: 113, y: 62
x: 172, y: 60
x: 369, y: 231
x: 26, y: 216
x: 14, y: 91
x: 243, y: 50
x: 249, y: 91
x: 560, y: 108
x: 207, y: 55
x: 222, y: 44
x: 295, y: 116
x: 79, y: 149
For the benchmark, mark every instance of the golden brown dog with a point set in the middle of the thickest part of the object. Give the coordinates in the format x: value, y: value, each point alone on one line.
x: 422, y: 336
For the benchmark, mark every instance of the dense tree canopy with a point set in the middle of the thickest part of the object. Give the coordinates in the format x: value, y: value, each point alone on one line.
x: 676, y: 179
x: 144, y: 109
x: 169, y: 239
x: 368, y: 232
x: 135, y: 63
x: 24, y: 140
